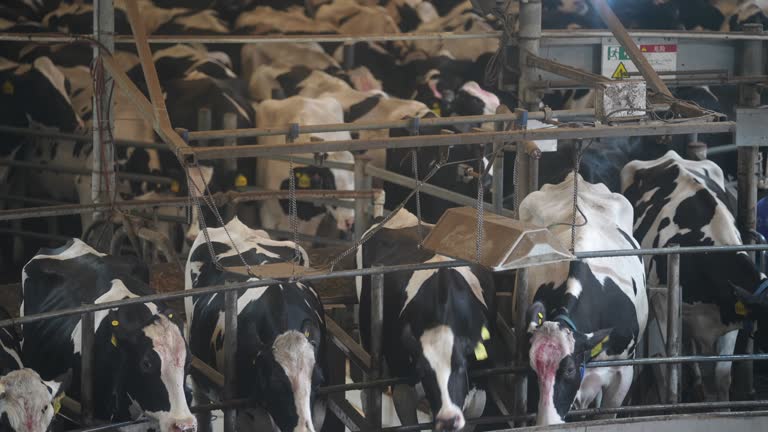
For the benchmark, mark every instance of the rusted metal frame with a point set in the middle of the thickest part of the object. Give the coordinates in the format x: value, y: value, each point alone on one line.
x: 219, y: 197
x: 348, y: 346
x: 361, y: 126
x: 650, y: 129
x: 581, y: 76
x: 348, y: 415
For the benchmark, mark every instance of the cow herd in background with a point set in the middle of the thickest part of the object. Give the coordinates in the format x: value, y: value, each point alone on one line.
x: 439, y: 324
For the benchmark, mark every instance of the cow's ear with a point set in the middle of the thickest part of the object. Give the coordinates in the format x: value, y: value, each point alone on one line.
x: 312, y: 332
x: 58, y: 386
x: 535, y: 316
x: 593, y: 344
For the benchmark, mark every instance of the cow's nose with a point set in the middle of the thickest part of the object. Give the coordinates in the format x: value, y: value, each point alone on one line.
x: 184, y: 426
x: 450, y: 424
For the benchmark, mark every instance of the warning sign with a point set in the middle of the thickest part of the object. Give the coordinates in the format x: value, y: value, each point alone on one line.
x: 620, y: 72
x: 660, y: 53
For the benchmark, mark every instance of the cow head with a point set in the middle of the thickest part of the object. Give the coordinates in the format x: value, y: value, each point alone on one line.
x: 153, y: 359
x: 314, y: 177
x: 441, y: 358
x: 27, y: 402
x: 286, y: 375
x: 558, y: 354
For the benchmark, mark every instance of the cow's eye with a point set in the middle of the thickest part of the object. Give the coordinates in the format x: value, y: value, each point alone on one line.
x: 146, y: 364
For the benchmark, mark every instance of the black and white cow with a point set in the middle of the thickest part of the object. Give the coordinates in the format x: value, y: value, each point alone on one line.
x: 281, y: 329
x: 273, y: 175
x: 436, y: 324
x: 682, y: 202
x: 139, y: 351
x: 583, y: 310
x: 27, y: 402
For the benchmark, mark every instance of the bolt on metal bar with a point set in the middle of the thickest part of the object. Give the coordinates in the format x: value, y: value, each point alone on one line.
x: 674, y: 326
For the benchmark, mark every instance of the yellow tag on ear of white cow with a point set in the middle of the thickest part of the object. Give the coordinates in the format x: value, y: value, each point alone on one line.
x: 480, y: 352
x: 597, y: 349
x: 741, y: 310
x: 57, y: 403
x: 241, y: 181
x: 115, y: 323
x: 8, y: 88
x: 170, y: 316
x: 541, y: 318
x: 304, y: 181
x: 175, y: 186
x: 114, y: 340
x: 484, y: 333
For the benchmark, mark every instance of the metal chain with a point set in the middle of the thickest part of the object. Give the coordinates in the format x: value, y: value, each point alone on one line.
x: 480, y: 212
x: 415, y: 168
x: 576, y: 166
x: 293, y: 213
x: 208, y: 199
x: 368, y: 234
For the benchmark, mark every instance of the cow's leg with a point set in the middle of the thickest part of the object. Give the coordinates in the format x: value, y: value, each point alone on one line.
x: 405, y: 400
x: 474, y: 405
x: 698, y: 389
x: 725, y: 346
x: 591, y: 386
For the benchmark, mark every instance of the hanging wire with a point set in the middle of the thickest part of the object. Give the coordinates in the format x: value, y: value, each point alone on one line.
x: 415, y: 169
x: 479, y: 237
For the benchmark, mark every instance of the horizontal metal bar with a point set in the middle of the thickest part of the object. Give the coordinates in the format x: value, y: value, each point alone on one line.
x: 652, y: 128
x: 247, y: 39
x: 220, y: 198
x: 84, y: 171
x: 224, y: 288
x: 677, y: 81
x: 362, y: 126
x: 679, y: 359
x: 721, y: 149
x: 428, y: 189
x: 31, y: 200
x: 77, y: 137
x: 667, y: 251
x: 32, y: 234
x: 681, y: 408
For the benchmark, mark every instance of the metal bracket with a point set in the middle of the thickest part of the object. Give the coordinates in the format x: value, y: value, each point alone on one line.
x: 293, y: 132
x: 750, y: 127
x: 414, y: 125
x: 521, y: 122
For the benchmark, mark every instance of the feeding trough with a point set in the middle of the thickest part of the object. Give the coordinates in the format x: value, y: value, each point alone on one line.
x: 507, y: 243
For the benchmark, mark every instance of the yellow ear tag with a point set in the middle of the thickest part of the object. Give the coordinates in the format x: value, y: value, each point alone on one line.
x: 541, y: 318
x: 306, y: 334
x: 8, y: 88
x: 304, y: 181
x: 114, y: 340
x: 598, y: 348
x: 485, y: 334
x: 115, y: 323
x: 741, y: 310
x: 241, y: 181
x: 436, y: 108
x: 480, y: 352
x: 57, y: 403
x: 170, y: 316
x: 175, y: 186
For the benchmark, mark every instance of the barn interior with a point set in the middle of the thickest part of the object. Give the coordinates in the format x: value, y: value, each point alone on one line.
x: 281, y: 140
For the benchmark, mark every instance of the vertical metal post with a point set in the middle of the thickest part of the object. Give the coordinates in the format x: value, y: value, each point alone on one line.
x: 86, y: 367
x: 103, y: 176
x: 230, y: 358
x: 204, y: 122
x: 529, y: 36
x: 373, y: 410
x: 751, y: 63
x: 521, y: 354
x: 229, y: 121
x: 349, y: 56
x: 498, y: 168
x: 362, y: 181
x: 674, y: 326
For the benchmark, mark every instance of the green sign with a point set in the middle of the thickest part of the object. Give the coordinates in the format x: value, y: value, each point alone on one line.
x: 617, y: 53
